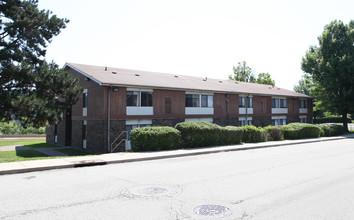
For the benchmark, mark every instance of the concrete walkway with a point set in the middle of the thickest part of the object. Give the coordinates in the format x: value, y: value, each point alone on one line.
x: 72, y: 162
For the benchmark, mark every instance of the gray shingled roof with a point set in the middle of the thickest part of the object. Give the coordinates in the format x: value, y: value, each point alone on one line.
x: 144, y: 79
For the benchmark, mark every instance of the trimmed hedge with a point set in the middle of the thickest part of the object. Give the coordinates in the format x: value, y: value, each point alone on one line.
x: 230, y: 135
x: 328, y: 130
x: 274, y: 133
x: 199, y: 134
x: 154, y: 139
x: 252, y: 134
x: 300, y: 131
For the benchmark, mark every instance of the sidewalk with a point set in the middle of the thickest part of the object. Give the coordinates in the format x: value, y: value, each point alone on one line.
x: 72, y: 162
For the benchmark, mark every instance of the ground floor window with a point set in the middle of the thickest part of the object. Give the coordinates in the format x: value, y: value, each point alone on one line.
x: 245, y: 121
x: 279, y: 120
x: 303, y: 119
x: 55, y: 133
x: 84, y: 134
x: 132, y: 124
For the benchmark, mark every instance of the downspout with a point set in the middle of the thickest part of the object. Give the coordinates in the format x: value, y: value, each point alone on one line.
x: 109, y: 120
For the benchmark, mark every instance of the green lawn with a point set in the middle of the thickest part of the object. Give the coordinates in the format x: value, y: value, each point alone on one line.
x: 21, y: 155
x: 21, y: 142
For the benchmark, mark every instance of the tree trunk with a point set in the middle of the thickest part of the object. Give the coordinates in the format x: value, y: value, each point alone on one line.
x: 345, y: 123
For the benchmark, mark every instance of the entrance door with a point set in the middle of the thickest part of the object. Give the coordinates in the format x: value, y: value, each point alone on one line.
x: 68, y: 124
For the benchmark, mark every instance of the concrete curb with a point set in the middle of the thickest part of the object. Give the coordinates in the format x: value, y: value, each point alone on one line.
x: 41, y: 165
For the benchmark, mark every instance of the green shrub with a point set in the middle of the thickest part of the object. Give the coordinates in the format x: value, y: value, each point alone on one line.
x: 15, y: 128
x: 331, y: 120
x: 199, y: 134
x: 252, y: 134
x: 155, y: 138
x: 328, y: 130
x: 273, y: 133
x: 300, y: 131
x: 230, y: 135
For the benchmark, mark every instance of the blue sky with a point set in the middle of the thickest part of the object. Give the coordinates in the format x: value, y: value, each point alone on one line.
x: 194, y: 37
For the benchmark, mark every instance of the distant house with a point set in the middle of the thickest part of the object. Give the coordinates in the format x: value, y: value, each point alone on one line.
x: 116, y: 100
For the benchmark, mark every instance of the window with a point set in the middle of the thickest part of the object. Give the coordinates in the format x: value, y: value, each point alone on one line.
x: 84, y: 103
x: 245, y: 121
x: 55, y: 133
x: 279, y: 103
x: 303, y: 103
x: 245, y: 101
x: 198, y: 100
x: 139, y: 98
x: 84, y: 100
x: 192, y: 100
x: 84, y: 134
x: 278, y: 122
x: 207, y: 101
x: 303, y: 120
x: 131, y: 127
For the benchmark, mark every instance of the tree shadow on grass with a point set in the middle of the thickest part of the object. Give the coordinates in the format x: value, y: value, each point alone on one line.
x: 29, y: 153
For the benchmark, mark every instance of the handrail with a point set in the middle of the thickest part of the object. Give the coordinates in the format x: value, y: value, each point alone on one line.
x: 124, y: 139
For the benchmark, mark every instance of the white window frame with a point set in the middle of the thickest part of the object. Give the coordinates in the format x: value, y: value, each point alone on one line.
x: 139, y: 110
x: 84, y: 141
x: 303, y: 118
x: 302, y: 110
x: 242, y: 121
x: 199, y: 110
x: 277, y: 120
x: 137, y: 124
x: 84, y: 109
x: 199, y: 119
x: 244, y: 110
x: 278, y: 109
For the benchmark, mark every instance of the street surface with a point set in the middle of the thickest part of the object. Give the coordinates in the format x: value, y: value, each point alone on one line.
x: 306, y: 181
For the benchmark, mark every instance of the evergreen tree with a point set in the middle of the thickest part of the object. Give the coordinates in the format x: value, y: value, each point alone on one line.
x: 32, y: 90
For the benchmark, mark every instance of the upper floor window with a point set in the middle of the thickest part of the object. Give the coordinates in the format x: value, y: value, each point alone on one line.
x: 139, y: 98
x: 84, y: 100
x: 303, y: 103
x: 198, y: 100
x: 279, y: 103
x: 245, y: 102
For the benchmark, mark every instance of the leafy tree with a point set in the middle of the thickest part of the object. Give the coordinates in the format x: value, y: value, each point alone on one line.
x: 32, y: 90
x: 305, y: 86
x: 264, y: 78
x: 331, y: 67
x: 243, y: 73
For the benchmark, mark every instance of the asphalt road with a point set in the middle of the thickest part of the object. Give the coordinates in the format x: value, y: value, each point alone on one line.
x: 307, y: 181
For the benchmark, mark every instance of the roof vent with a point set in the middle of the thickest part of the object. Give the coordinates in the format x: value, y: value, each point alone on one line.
x: 137, y: 74
x: 220, y: 81
x: 176, y: 76
x: 278, y: 88
x: 236, y: 82
x: 105, y: 69
x: 205, y: 79
x: 114, y: 72
x: 270, y: 87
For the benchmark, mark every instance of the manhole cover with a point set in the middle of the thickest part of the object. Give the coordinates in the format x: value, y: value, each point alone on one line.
x: 153, y: 191
x: 217, y: 211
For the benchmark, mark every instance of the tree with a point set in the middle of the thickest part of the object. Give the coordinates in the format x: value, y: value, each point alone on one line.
x: 305, y: 86
x: 331, y: 67
x: 32, y: 90
x: 264, y: 78
x: 243, y: 73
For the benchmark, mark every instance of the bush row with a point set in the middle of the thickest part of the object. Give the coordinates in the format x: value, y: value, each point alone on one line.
x: 15, y: 128
x: 202, y: 134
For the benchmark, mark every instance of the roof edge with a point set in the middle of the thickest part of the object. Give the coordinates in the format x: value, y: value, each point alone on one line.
x: 83, y: 73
